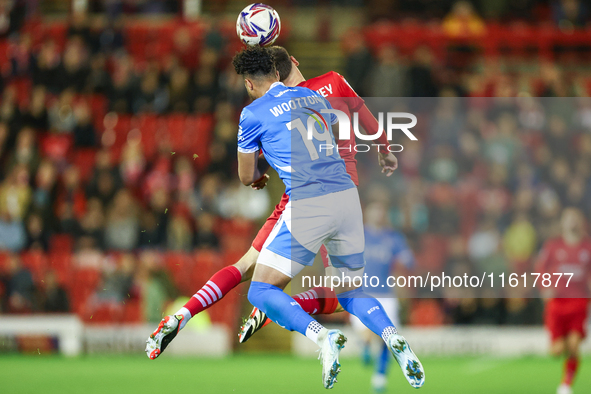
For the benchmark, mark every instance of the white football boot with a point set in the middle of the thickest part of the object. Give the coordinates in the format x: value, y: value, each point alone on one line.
x: 164, y: 334
x: 409, y: 363
x: 329, y: 357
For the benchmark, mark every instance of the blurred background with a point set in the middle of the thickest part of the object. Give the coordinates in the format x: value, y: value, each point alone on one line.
x: 118, y: 177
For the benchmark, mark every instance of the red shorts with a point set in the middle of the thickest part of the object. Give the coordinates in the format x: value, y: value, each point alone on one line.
x: 565, y: 315
x: 264, y: 232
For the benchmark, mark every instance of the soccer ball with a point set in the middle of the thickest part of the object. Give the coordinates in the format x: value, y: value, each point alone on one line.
x: 258, y: 24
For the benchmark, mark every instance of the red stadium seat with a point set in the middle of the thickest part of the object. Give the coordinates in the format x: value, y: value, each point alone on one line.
x: 83, y: 284
x: 198, y: 137
x: 4, y: 256
x: 84, y: 160
x: 180, y: 265
x: 60, y: 261
x: 36, y: 262
x: 62, y: 243
x: 148, y: 125
x: 56, y: 146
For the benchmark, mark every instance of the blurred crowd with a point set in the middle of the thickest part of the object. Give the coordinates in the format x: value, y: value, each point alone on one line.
x: 89, y: 220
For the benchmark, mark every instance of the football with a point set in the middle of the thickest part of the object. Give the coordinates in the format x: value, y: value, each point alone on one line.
x: 258, y: 24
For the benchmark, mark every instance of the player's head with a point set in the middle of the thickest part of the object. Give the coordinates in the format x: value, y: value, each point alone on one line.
x: 572, y: 222
x: 376, y: 214
x: 286, y: 65
x: 256, y: 65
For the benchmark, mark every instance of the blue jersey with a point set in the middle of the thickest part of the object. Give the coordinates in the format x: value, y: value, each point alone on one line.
x: 383, y: 249
x: 277, y: 123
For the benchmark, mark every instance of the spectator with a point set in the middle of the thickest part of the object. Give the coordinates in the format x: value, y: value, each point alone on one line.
x: 25, y: 151
x: 206, y: 237
x: 105, y: 180
x: 117, y: 284
x: 92, y: 224
x: 45, y: 190
x: 54, y: 296
x: 37, y: 235
x: 84, y: 133
x: 132, y: 163
x: 358, y: 63
x: 388, y: 76
x: 122, y: 223
x: 150, y: 97
x: 46, y: 68
x: 179, y: 90
x: 61, y: 114
x: 121, y: 93
x: 21, y: 56
x: 15, y: 194
x: 570, y: 13
x: 98, y: 80
x: 422, y: 75
x: 19, y: 287
x: 180, y: 233
x: 463, y: 21
x: 36, y: 115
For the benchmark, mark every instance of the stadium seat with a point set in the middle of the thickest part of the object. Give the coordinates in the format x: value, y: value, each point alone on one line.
x: 84, y: 160
x: 36, y: 262
x: 60, y: 261
x: 148, y: 125
x: 56, y: 146
x: 426, y: 312
x: 83, y: 284
x: 180, y: 266
x: 62, y: 243
x: 206, y: 263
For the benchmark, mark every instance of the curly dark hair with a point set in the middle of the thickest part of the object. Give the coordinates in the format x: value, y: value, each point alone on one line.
x: 282, y: 61
x: 255, y: 61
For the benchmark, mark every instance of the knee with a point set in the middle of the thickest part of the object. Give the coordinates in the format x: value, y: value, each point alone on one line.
x: 254, y: 293
x: 557, y: 348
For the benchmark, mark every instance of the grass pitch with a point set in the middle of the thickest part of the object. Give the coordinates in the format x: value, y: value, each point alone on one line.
x: 259, y: 374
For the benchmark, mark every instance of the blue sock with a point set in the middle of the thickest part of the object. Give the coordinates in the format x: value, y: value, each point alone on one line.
x: 279, y: 307
x: 383, y: 360
x: 368, y: 310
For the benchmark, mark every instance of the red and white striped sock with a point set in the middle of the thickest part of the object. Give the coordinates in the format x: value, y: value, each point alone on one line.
x: 570, y: 370
x: 214, y: 290
x: 318, y: 301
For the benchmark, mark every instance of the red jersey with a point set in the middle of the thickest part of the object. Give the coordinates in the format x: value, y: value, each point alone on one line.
x: 557, y: 256
x: 334, y: 85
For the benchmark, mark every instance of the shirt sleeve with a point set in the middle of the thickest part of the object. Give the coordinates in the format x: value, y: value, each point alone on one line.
x: 345, y: 90
x: 249, y: 133
x: 333, y: 117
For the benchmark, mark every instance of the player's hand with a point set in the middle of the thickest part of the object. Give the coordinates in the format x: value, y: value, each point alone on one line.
x: 260, y: 183
x: 388, y: 162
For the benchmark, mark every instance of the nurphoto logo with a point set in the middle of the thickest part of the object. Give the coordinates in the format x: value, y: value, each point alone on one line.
x: 392, y: 119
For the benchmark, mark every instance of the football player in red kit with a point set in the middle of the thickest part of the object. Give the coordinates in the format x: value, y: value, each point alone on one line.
x: 566, y: 301
x: 318, y: 300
